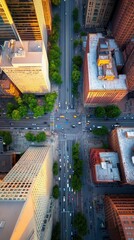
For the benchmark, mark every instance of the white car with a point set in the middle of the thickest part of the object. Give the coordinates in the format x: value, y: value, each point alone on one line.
x: 60, y: 160
x: 64, y: 199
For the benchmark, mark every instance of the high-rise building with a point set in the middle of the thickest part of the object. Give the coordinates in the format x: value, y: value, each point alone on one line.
x: 25, y: 19
x: 102, y: 83
x: 128, y: 69
x: 120, y: 216
x: 104, y: 165
x: 25, y: 204
x: 26, y: 65
x: 98, y: 13
x: 123, y: 22
x: 122, y: 142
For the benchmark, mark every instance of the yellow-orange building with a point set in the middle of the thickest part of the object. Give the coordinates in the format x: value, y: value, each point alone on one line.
x: 25, y: 204
x: 102, y: 84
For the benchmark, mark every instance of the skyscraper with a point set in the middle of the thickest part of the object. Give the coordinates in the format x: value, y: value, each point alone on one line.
x: 123, y: 22
x: 98, y: 13
x: 25, y: 204
x: 120, y: 216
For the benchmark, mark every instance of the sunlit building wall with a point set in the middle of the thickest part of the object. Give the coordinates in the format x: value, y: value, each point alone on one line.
x: 25, y: 203
x: 47, y: 14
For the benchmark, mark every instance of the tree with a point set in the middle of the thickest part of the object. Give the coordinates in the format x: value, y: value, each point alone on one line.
x: 55, y: 168
x: 77, y: 237
x: 41, y: 137
x: 78, y: 167
x: 112, y: 111
x: 56, y: 2
x: 19, y: 100
x: 100, y: 112
x: 10, y: 108
x: 32, y: 104
x: 22, y: 110
x: 76, y: 183
x: 56, y: 19
x: 56, y: 77
x: 76, y: 27
x: 75, y: 76
x: 27, y: 98
x: 38, y: 111
x: 56, y: 192
x: 76, y: 43
x: 7, y: 137
x: 16, y: 115
x: 80, y: 223
x: 100, y: 131
x: 75, y: 14
x: 77, y: 60
x: 56, y: 232
x: 30, y: 137
x: 49, y: 101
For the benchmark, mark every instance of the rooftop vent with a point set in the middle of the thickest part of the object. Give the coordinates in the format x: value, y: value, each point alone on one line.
x: 130, y: 134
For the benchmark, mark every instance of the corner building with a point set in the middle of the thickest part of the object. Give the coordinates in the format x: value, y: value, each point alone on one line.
x: 25, y: 204
x: 119, y: 210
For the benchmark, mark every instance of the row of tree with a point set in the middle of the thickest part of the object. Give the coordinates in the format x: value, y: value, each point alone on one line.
x: 54, y: 52
x: 80, y: 223
x: 55, y: 168
x: 75, y: 15
x: 78, y: 168
x: 77, y: 63
x: 100, y: 131
x: 39, y: 137
x: 56, y: 191
x: 7, y: 137
x: 110, y: 111
x: 29, y: 102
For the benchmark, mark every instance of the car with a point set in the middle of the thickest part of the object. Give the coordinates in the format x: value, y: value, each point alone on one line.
x: 11, y: 124
x: 70, y: 214
x: 38, y: 128
x: 67, y: 185
x: 70, y: 176
x: 79, y: 123
x: 99, y: 126
x: 60, y: 160
x: 57, y: 119
x: 65, y: 102
x: 62, y: 116
x: 59, y: 104
x: 75, y: 116
x: 33, y: 124
x: 64, y: 199
x: 73, y: 126
x: 63, y: 209
x: 90, y: 129
x: 45, y: 122
x: 64, y: 189
x: 62, y: 128
x: 67, y: 156
x: 65, y: 13
x: 93, y: 126
x: 59, y: 178
x: 67, y: 107
x: 26, y: 128
x: 70, y: 166
x: 64, y: 164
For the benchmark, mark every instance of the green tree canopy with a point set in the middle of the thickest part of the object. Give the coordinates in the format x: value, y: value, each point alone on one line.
x: 75, y: 76
x: 22, y: 110
x: 19, y: 100
x: 78, y: 167
x: 100, y: 131
x: 77, y: 60
x: 56, y: 2
x: 56, y: 77
x: 10, y: 108
x: 30, y: 137
x: 38, y: 111
x: 41, y: 137
x: 55, y: 168
x: 27, y: 97
x: 76, y: 27
x: 76, y: 43
x: 49, y: 101
x: 76, y: 182
x: 100, y: 112
x: 75, y: 14
x: 80, y: 223
x: 56, y: 191
x: 112, y: 111
x: 16, y: 115
x: 56, y: 232
x: 7, y: 137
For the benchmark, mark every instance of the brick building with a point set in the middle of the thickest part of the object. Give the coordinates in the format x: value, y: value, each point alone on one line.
x: 104, y: 165
x: 102, y: 83
x: 123, y: 22
x: 122, y: 142
x: 119, y: 211
x: 128, y: 69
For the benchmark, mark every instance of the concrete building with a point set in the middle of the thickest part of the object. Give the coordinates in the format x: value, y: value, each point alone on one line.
x: 120, y: 216
x: 128, y: 69
x: 98, y: 13
x: 122, y: 142
x: 26, y: 65
x: 25, y: 203
x: 123, y: 22
x: 104, y: 165
x: 25, y: 19
x: 102, y: 83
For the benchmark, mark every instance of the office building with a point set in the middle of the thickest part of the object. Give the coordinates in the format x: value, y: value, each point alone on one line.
x: 24, y: 19
x: 123, y: 22
x: 98, y: 13
x: 26, y: 65
x: 104, y: 165
x: 122, y: 142
x: 128, y: 69
x: 25, y: 204
x: 119, y: 211
x: 102, y: 83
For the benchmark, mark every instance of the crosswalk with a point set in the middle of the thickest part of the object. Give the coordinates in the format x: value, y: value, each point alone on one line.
x: 52, y: 121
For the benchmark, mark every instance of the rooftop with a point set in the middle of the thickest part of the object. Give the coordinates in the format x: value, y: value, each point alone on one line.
x: 94, y: 82
x: 126, y: 144
x: 28, y: 54
x: 107, y: 170
x: 128, y: 225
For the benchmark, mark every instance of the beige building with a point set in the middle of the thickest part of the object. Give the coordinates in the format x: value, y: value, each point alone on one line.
x: 98, y: 13
x: 25, y: 63
x: 25, y: 203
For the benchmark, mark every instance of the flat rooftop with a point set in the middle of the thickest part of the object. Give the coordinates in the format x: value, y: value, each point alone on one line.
x: 14, y: 54
x: 126, y: 144
x: 94, y: 82
x: 9, y: 213
x: 107, y: 170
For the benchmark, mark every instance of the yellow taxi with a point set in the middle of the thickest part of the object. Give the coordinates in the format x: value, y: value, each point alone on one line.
x: 62, y: 116
x: 75, y: 116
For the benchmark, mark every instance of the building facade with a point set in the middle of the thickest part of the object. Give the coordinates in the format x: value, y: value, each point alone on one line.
x: 128, y: 69
x: 24, y: 19
x: 25, y: 204
x: 123, y: 22
x: 122, y: 141
x: 119, y: 211
x: 98, y: 13
x: 102, y: 83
